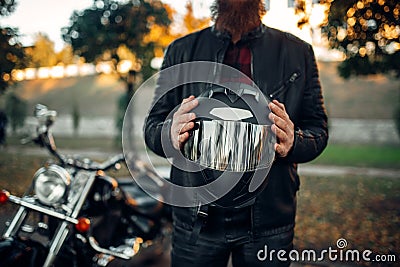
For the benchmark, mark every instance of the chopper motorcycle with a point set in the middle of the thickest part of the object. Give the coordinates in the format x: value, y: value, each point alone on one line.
x: 74, y: 214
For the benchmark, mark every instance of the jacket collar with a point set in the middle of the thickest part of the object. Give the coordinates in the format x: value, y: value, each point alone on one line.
x: 256, y: 33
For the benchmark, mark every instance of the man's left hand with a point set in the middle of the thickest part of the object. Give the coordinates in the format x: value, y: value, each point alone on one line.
x: 283, y: 127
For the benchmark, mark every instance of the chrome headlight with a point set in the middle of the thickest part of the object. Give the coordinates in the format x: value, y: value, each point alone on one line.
x: 51, y: 184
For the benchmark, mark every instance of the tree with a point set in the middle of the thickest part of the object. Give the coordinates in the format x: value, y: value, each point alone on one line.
x: 137, y: 31
x: 96, y: 33
x: 191, y: 23
x: 368, y: 32
x: 7, y: 7
x: 42, y: 53
x: 11, y: 51
x: 66, y: 55
x: 113, y: 31
x: 162, y: 36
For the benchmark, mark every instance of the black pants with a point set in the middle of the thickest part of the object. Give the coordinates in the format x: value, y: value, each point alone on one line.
x: 228, y: 233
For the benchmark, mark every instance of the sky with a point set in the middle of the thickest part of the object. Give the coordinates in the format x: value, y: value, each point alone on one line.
x: 46, y: 16
x: 49, y: 16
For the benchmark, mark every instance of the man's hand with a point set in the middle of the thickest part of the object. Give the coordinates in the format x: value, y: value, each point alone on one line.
x: 283, y: 127
x: 182, y: 122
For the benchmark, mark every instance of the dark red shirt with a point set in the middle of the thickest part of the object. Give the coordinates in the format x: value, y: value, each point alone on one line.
x: 238, y: 56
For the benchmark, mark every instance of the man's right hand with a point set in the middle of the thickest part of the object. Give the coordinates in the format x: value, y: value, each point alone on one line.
x: 182, y: 122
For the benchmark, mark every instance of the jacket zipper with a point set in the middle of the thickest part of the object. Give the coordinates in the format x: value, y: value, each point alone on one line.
x: 275, y: 94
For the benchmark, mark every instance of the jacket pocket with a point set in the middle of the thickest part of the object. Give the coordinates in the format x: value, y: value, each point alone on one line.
x: 284, y: 86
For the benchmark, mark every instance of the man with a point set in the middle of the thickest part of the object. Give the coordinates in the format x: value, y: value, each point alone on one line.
x: 271, y: 59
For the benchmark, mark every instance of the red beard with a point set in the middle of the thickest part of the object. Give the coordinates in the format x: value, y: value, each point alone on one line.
x: 237, y: 16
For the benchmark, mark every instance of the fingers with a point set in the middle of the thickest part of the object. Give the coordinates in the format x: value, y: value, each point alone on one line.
x: 281, y: 135
x: 183, y: 118
x: 187, y: 127
x: 282, y: 123
x: 180, y: 133
x: 187, y: 105
x: 278, y: 108
x: 279, y: 122
x: 280, y: 150
x: 182, y: 138
x: 283, y: 128
x: 182, y: 122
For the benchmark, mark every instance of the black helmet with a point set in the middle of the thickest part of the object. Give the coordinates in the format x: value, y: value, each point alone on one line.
x: 233, y: 137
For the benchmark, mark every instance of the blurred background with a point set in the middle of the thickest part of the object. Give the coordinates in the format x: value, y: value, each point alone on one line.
x: 85, y: 59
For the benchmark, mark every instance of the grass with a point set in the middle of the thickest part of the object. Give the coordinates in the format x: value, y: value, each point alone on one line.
x: 17, y: 170
x: 360, y: 156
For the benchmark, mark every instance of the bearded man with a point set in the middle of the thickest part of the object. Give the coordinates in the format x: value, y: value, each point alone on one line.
x: 284, y: 69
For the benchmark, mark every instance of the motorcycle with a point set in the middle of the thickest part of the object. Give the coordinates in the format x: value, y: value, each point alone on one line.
x: 74, y: 214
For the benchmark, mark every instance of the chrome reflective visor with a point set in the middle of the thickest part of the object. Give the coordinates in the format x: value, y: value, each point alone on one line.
x: 230, y: 145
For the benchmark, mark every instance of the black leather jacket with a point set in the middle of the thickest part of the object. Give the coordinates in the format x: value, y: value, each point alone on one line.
x: 278, y: 60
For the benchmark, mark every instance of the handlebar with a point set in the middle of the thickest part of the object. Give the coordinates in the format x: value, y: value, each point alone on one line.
x: 44, y: 138
x: 95, y: 166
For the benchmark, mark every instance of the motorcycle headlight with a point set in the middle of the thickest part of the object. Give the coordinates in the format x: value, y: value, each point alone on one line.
x: 51, y: 184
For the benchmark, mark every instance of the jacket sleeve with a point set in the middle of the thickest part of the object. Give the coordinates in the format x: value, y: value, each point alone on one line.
x: 157, y: 124
x: 168, y: 96
x: 311, y: 131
